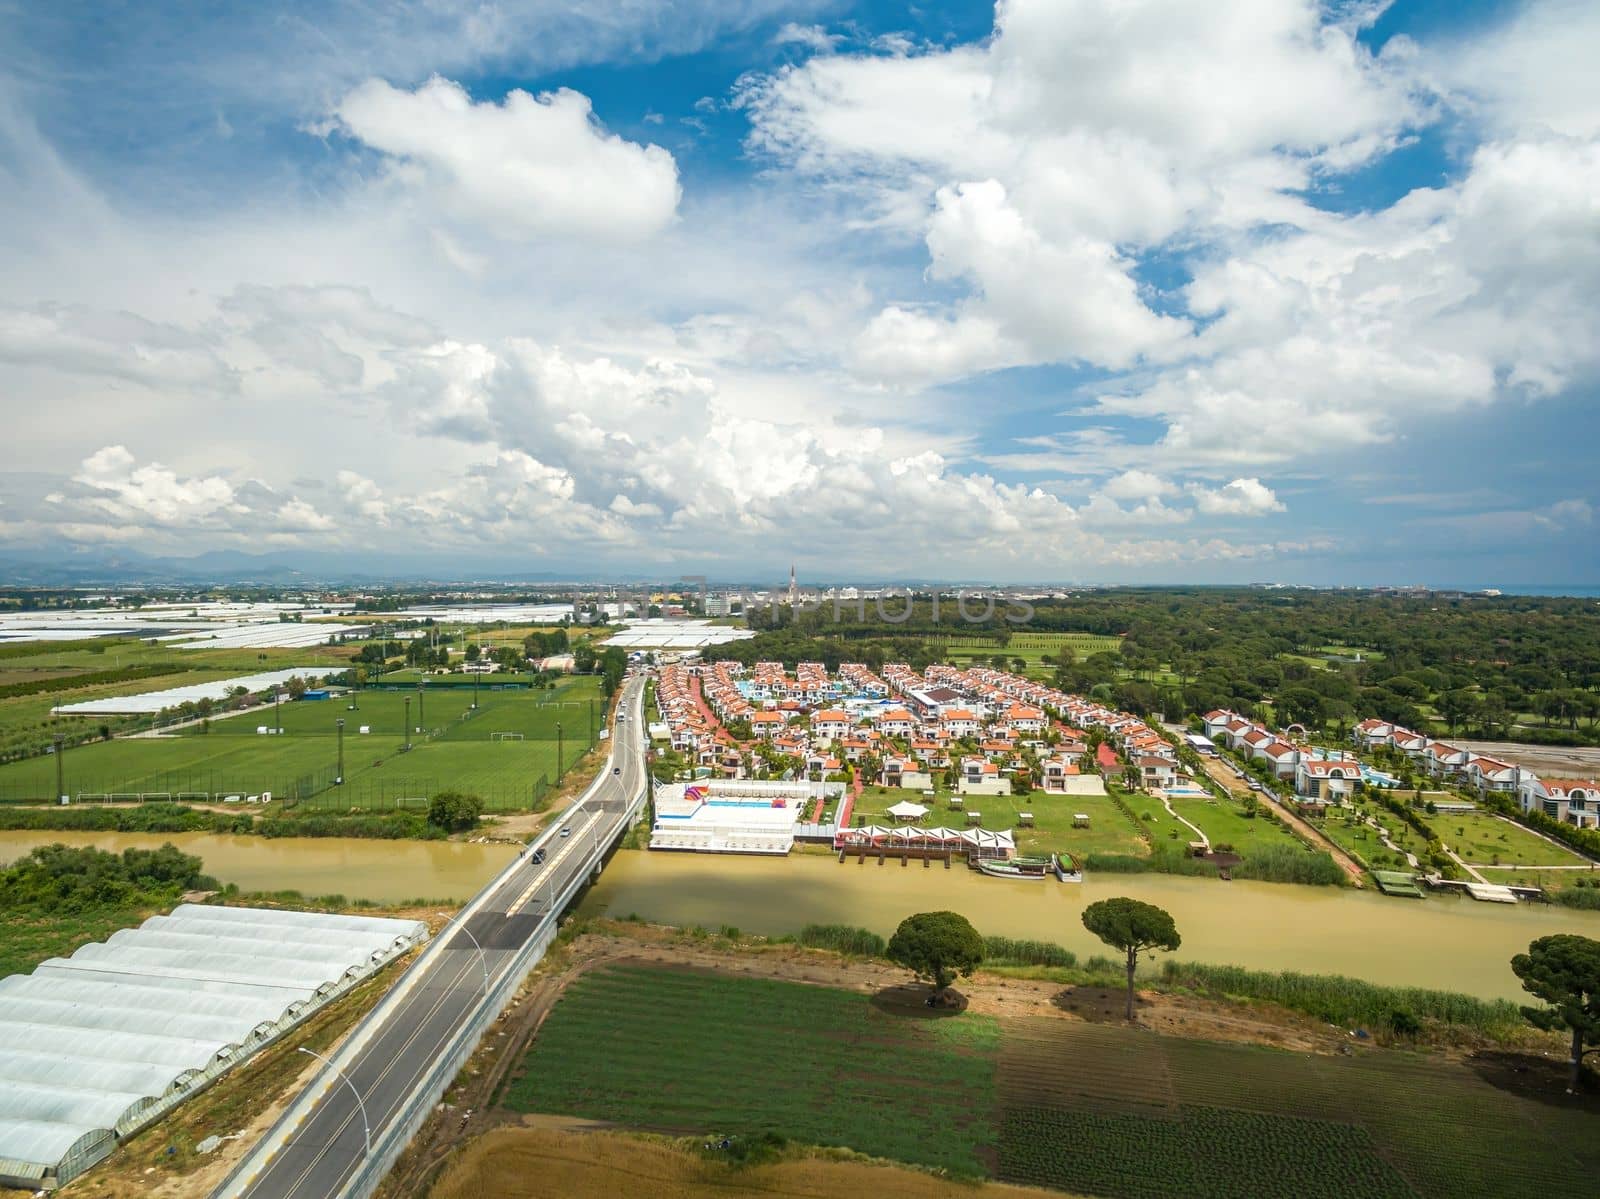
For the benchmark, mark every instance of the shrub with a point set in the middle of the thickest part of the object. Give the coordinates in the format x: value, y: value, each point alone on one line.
x: 1003, y: 951
x: 454, y: 811
x: 1349, y: 1002
x: 843, y: 938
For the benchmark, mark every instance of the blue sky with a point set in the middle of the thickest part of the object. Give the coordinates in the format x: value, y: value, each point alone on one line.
x: 1063, y: 290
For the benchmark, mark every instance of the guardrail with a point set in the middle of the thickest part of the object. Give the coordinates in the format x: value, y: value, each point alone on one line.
x: 392, y: 1142
x: 430, y: 1088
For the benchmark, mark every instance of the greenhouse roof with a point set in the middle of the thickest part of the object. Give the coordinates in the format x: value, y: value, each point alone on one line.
x: 95, y: 1045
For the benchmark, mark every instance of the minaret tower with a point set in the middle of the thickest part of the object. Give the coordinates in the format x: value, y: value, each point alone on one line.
x: 794, y: 588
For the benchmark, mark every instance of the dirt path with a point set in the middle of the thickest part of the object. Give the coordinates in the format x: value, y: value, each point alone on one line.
x: 1550, y: 761
x: 1302, y: 828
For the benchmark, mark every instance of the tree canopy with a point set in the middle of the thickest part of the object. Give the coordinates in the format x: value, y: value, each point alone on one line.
x: 937, y: 946
x: 1564, y: 970
x: 56, y: 880
x: 454, y: 811
x: 1134, y: 927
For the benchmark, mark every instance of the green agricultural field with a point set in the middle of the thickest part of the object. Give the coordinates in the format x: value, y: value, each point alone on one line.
x: 1109, y: 831
x: 1482, y: 838
x: 26, y: 723
x: 699, y: 1054
x: 458, y: 751
x: 1114, y: 1111
x: 1083, y: 1107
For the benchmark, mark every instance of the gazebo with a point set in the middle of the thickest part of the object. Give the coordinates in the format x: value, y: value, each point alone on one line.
x: 908, y: 811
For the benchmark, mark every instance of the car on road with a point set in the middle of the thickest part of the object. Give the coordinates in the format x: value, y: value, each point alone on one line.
x: 538, y: 857
x: 616, y: 770
x: 567, y: 831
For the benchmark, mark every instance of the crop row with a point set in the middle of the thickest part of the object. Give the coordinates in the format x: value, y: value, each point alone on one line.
x: 1206, y: 1152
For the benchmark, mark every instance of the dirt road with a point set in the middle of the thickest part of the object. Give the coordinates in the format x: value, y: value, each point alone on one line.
x: 1550, y: 761
x: 1303, y: 829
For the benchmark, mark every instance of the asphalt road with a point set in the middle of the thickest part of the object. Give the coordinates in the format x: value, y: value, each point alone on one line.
x: 330, y: 1142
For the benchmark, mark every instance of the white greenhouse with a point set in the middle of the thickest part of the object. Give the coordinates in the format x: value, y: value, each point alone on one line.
x: 95, y: 1046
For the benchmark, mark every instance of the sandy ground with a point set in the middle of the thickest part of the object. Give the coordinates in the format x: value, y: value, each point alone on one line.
x: 1550, y: 761
x: 548, y: 1161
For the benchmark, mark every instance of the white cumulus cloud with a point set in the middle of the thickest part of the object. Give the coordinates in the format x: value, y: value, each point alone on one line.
x: 525, y: 167
x: 1242, y: 497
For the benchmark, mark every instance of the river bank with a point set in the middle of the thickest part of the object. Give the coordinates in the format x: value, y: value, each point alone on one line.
x: 1442, y: 942
x: 389, y: 872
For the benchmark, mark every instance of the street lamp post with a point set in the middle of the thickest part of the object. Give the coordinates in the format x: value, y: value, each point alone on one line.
x: 366, y: 1126
x: 338, y: 727
x: 591, y: 721
x: 60, y: 743
x: 483, y: 958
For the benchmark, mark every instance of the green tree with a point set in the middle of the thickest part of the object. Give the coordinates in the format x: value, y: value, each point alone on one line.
x: 1134, y: 927
x: 296, y: 687
x: 454, y: 811
x: 937, y: 946
x: 1564, y: 971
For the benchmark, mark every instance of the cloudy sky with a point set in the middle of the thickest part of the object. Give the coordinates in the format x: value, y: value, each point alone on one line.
x: 1054, y: 290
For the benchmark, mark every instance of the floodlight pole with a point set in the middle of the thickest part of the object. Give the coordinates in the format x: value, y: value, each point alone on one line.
x: 558, y: 753
x: 366, y: 1127
x: 408, y: 722
x: 338, y: 727
x: 277, y: 711
x: 476, y: 678
x: 60, y: 743
x: 482, y: 957
x: 422, y: 709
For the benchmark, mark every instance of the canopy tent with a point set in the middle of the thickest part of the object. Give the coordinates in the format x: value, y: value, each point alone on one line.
x: 906, y: 810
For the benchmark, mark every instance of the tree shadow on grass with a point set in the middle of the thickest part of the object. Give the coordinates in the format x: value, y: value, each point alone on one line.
x: 1099, y: 1005
x: 1528, y: 1076
x: 911, y: 999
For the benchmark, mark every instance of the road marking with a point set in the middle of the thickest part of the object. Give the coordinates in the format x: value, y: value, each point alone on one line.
x: 468, y: 962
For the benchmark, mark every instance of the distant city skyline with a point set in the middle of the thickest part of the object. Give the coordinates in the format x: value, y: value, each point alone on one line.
x: 890, y: 291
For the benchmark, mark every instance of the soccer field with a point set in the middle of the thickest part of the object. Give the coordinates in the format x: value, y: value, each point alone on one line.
x: 502, y: 751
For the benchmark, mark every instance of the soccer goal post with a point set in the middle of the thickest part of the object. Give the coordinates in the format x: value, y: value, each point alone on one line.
x: 505, y: 736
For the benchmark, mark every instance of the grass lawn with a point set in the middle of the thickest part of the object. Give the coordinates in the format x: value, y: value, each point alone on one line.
x: 1109, y: 831
x: 1482, y: 838
x: 27, y: 940
x: 1344, y: 829
x: 1225, y: 823
x: 1081, y: 1106
x: 1530, y: 876
x: 1031, y: 648
x: 233, y: 757
x: 701, y: 1054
